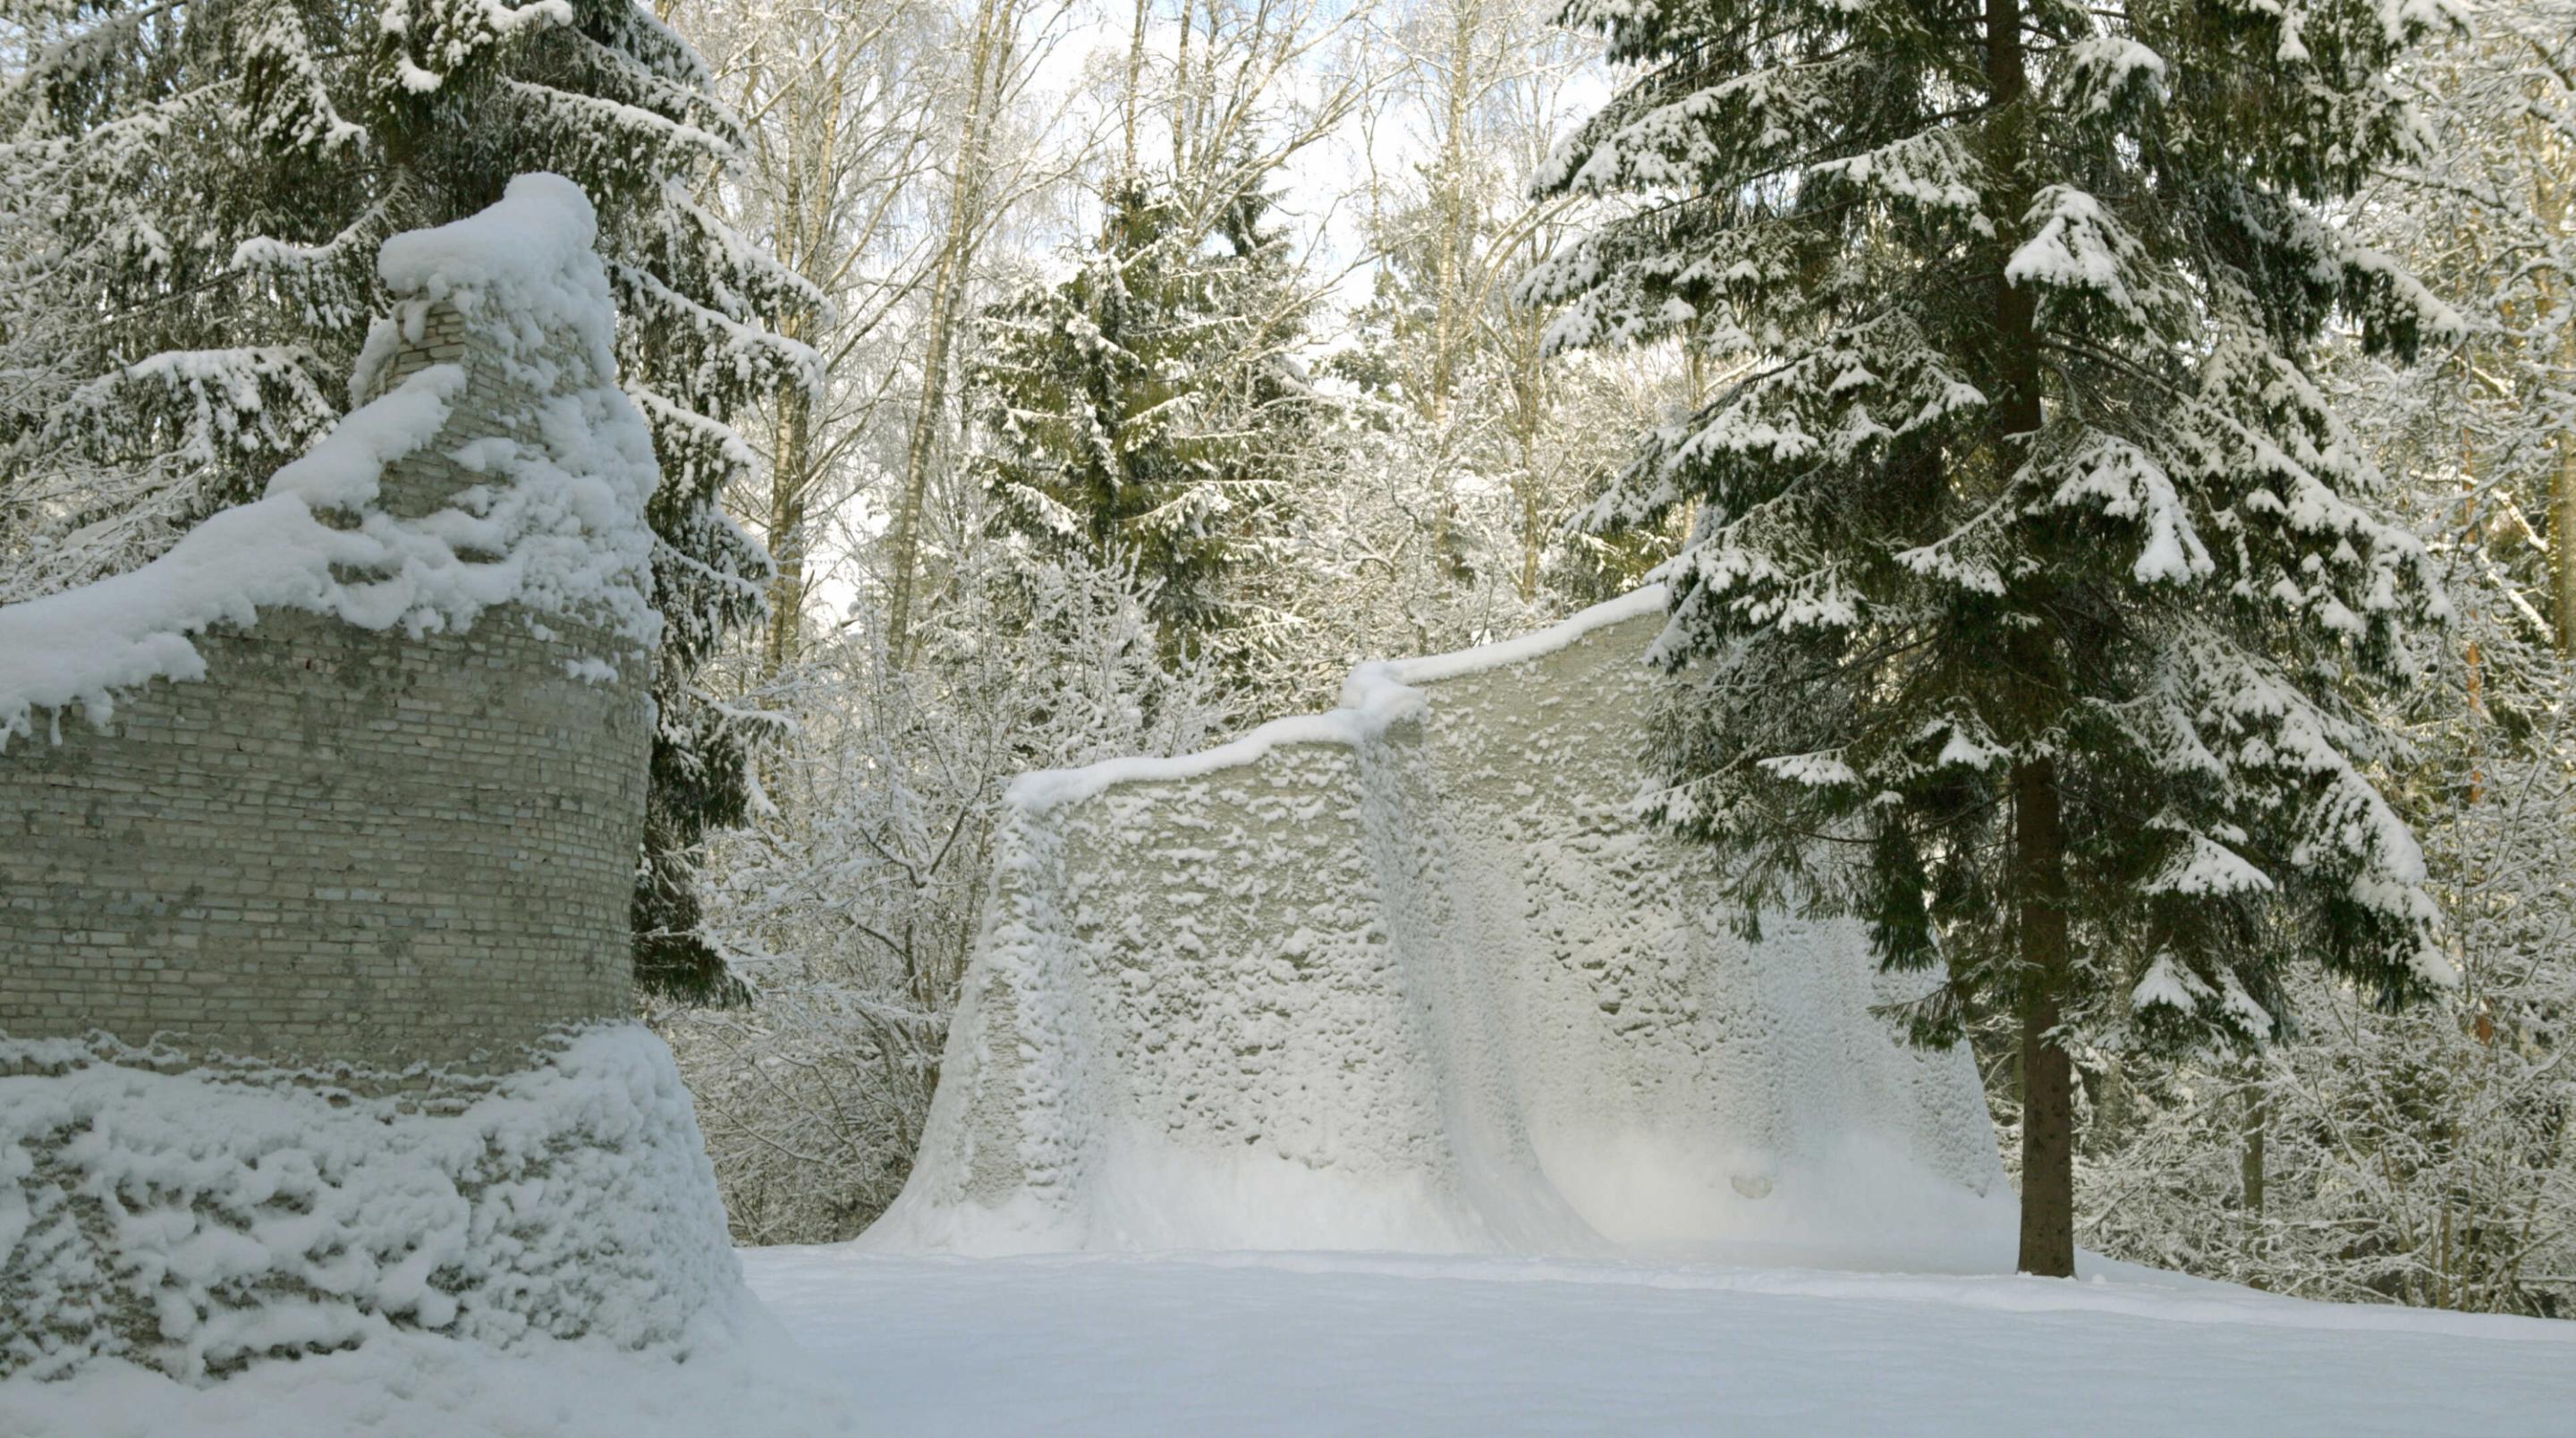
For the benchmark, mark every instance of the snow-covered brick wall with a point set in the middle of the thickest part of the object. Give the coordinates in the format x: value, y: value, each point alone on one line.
x: 317, y: 840
x: 355, y: 773
x: 1411, y: 975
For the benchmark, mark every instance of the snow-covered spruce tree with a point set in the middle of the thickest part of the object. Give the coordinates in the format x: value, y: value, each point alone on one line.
x: 198, y: 191
x: 1139, y: 411
x: 2423, y: 1157
x: 2427, y: 1156
x: 2030, y: 586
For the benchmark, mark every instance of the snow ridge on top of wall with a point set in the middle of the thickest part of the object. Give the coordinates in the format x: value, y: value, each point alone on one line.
x: 1377, y: 694
x: 558, y: 525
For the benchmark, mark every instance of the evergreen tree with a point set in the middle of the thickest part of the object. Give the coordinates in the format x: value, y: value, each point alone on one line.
x: 1139, y: 412
x: 196, y: 194
x: 2030, y: 590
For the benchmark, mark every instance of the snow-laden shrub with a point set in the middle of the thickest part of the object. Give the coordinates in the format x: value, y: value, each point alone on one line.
x: 847, y: 908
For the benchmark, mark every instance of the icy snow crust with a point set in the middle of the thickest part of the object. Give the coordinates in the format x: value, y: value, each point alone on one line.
x: 559, y: 527
x: 1408, y: 975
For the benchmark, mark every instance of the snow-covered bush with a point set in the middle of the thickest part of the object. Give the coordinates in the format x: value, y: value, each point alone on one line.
x: 847, y: 907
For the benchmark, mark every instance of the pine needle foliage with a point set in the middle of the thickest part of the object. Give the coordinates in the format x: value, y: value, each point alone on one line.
x: 1140, y: 413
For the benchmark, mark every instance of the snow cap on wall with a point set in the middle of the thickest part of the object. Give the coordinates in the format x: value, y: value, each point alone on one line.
x: 555, y: 462
x: 1376, y: 695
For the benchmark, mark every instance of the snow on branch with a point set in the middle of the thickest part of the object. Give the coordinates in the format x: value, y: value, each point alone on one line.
x: 2128, y: 483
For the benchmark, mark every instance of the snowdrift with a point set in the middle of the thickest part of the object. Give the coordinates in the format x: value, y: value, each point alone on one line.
x: 258, y: 1213
x: 1410, y: 975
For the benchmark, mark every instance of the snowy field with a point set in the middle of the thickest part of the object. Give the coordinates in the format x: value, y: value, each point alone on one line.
x: 1349, y: 1343
x: 1241, y: 1344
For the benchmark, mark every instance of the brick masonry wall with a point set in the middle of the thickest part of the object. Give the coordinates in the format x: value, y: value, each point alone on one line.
x: 340, y: 845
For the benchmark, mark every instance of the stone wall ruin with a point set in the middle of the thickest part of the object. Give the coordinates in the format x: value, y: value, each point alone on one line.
x: 310, y: 948
x: 343, y: 843
x: 1413, y: 975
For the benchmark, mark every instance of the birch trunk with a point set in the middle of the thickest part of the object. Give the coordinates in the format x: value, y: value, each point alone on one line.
x: 988, y: 51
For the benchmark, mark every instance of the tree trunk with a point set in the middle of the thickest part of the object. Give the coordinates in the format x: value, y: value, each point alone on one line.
x: 2562, y: 545
x: 791, y: 451
x: 2551, y: 204
x: 1180, y: 109
x: 2250, y: 1160
x: 790, y: 488
x: 1527, y: 331
x: 2047, y: 1075
x: 2039, y: 842
x: 904, y: 531
x: 1451, y: 254
x: 1135, y: 87
x: 1450, y: 323
x: 988, y: 60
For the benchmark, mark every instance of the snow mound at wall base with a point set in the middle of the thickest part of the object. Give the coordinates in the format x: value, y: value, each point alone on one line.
x: 199, y: 1220
x: 1411, y: 975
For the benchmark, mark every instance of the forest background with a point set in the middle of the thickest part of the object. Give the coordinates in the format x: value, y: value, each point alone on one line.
x: 1102, y: 376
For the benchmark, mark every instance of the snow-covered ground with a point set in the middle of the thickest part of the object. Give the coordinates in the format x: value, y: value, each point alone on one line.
x: 414, y: 1385
x: 1315, y: 1343
x: 1356, y: 1343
